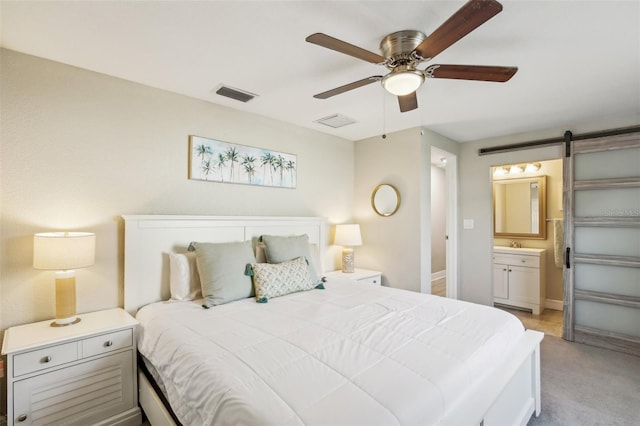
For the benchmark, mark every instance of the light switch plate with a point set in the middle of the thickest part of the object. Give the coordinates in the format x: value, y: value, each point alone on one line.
x: 467, y: 223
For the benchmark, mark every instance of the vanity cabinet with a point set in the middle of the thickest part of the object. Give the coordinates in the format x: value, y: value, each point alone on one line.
x: 518, y: 278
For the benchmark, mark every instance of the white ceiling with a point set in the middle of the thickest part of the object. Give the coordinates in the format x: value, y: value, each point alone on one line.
x: 579, y: 61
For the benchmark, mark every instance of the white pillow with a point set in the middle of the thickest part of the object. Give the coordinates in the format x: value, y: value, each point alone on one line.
x: 184, y: 279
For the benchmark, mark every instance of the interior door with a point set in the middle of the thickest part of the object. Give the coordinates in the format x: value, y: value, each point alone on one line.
x: 602, y: 242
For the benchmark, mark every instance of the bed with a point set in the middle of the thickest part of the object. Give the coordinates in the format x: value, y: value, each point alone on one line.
x: 350, y: 353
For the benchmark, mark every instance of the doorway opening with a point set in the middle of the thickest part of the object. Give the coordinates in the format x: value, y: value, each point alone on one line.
x: 444, y: 238
x: 528, y: 242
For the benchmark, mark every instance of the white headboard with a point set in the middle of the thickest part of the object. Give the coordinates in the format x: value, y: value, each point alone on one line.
x: 147, y: 239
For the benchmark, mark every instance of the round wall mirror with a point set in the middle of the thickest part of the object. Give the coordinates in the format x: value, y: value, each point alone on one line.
x: 385, y: 199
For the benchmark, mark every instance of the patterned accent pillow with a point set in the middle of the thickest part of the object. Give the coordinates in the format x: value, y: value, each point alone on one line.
x: 278, y: 279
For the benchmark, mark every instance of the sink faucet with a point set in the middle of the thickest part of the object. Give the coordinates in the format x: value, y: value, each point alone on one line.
x: 515, y: 244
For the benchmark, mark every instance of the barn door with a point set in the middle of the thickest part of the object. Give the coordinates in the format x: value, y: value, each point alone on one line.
x: 602, y: 241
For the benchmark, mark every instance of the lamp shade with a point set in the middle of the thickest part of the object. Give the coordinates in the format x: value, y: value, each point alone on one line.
x: 61, y: 251
x: 348, y: 235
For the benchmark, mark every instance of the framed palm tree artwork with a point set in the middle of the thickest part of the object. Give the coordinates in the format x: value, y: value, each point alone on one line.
x: 219, y: 161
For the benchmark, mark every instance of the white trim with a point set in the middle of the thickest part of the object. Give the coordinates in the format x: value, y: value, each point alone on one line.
x: 438, y: 275
x: 556, y: 305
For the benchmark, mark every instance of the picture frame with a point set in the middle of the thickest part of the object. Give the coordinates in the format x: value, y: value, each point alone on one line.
x: 218, y: 161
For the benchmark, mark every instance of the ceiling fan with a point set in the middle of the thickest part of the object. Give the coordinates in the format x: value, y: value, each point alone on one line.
x: 403, y: 51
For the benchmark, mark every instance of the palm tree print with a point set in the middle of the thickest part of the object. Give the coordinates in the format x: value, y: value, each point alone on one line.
x: 278, y: 164
x: 291, y: 168
x: 208, y: 167
x: 266, y: 161
x: 249, y: 167
x: 219, y: 161
x: 232, y: 155
x: 222, y: 161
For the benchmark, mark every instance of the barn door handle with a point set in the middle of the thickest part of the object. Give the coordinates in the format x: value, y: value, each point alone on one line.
x: 567, y: 260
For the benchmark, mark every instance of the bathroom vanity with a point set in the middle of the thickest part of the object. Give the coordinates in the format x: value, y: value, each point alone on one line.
x: 518, y: 275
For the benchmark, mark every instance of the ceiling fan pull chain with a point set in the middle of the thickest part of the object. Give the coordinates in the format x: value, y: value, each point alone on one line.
x: 384, y: 115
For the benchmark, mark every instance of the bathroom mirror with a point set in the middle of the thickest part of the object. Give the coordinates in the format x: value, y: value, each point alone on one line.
x: 385, y: 199
x: 519, y: 208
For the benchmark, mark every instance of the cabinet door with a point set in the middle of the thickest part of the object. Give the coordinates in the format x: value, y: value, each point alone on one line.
x: 82, y: 394
x: 524, y: 284
x: 500, y: 281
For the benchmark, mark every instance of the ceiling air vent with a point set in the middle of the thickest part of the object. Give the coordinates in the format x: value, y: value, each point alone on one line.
x: 233, y: 93
x: 336, y: 120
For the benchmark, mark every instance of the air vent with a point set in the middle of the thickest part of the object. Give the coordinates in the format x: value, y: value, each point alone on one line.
x: 336, y: 120
x: 233, y: 93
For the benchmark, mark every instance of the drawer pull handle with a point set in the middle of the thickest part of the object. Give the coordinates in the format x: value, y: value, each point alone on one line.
x: 108, y: 343
x: 22, y: 418
x: 46, y: 359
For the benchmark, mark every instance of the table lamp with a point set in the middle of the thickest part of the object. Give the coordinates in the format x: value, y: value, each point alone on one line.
x: 348, y: 236
x: 64, y: 252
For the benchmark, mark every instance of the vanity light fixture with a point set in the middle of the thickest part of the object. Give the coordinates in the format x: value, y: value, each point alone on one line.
x: 501, y: 170
x: 517, y: 169
x: 532, y: 167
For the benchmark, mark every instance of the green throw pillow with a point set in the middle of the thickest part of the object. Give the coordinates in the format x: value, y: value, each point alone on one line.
x: 280, y: 249
x: 221, y: 267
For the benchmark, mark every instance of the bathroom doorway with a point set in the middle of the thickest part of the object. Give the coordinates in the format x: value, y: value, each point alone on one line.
x: 547, y: 276
x: 443, y: 220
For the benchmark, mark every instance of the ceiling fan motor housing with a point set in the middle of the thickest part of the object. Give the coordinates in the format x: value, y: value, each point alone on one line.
x: 397, y: 48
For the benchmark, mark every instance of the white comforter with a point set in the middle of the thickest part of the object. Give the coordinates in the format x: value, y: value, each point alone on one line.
x: 350, y: 354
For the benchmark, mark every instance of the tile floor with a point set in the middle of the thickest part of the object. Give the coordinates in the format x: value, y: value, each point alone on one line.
x: 439, y: 287
x: 549, y: 321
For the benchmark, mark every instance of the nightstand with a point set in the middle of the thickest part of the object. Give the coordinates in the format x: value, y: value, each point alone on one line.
x: 77, y: 375
x: 360, y: 275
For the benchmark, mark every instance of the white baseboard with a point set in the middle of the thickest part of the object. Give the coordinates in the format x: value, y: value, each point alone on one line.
x: 556, y: 305
x: 439, y: 275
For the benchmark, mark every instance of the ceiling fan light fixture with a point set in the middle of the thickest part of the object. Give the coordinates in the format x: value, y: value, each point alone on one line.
x: 401, y: 82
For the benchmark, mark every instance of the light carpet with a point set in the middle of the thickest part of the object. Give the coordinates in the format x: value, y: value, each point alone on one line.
x: 584, y: 385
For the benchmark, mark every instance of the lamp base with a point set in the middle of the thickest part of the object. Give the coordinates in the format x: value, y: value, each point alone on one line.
x: 348, y: 261
x: 65, y: 323
x: 65, y: 299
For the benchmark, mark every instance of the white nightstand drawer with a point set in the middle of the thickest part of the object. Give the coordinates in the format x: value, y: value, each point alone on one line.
x: 44, y: 358
x: 107, y: 343
x: 371, y: 280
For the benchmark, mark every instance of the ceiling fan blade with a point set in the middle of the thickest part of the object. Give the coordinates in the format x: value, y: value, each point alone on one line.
x: 343, y: 47
x: 347, y: 87
x: 471, y: 72
x: 408, y: 102
x: 466, y: 19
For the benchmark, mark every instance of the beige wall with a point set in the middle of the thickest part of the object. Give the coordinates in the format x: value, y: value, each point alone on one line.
x: 553, y: 171
x: 400, y: 245
x: 79, y: 149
